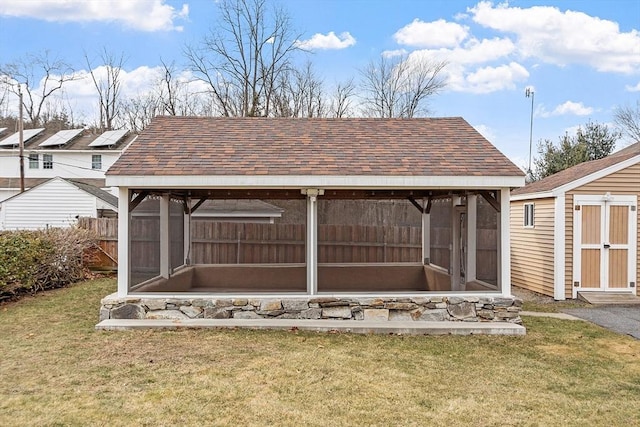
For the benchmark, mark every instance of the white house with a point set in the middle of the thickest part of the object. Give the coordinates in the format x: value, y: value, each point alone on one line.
x: 57, y: 202
x: 76, y: 154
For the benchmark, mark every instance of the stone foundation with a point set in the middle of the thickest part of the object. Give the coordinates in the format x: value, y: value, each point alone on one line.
x: 453, y: 308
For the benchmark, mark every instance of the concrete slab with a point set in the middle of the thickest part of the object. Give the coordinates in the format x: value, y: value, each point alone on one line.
x: 347, y: 326
x: 561, y: 316
x: 609, y: 298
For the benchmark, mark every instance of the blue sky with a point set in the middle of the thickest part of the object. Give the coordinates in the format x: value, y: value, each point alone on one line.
x: 582, y: 58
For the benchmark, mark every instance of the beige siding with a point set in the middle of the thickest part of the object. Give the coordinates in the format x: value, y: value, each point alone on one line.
x: 532, y: 248
x: 624, y: 182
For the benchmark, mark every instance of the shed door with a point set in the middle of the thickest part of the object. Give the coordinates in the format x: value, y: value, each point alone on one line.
x: 605, y: 243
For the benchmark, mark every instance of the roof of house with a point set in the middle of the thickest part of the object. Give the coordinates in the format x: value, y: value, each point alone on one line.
x: 250, y: 207
x: 179, y: 146
x: 578, y: 171
x: 82, y: 185
x: 14, y: 182
x: 95, y: 191
x: 78, y: 142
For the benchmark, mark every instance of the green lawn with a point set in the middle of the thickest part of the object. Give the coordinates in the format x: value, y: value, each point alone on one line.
x: 57, y: 370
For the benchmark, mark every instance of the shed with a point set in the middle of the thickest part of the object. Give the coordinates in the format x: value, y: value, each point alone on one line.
x: 577, y: 230
x: 184, y: 162
x: 57, y: 202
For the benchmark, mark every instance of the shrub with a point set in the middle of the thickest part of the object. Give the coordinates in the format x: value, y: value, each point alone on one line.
x: 31, y: 261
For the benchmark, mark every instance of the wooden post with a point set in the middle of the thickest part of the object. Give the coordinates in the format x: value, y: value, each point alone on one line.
x: 312, y: 240
x: 165, y: 252
x: 426, y: 235
x: 504, y: 243
x: 187, y: 231
x: 472, y: 246
x: 124, y: 259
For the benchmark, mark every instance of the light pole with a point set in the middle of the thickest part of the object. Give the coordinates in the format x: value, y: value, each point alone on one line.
x: 529, y: 92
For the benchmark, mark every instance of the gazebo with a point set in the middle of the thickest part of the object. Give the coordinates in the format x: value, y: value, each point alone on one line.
x: 411, y: 174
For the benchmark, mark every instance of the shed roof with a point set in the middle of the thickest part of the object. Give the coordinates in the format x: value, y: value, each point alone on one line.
x: 578, y: 171
x: 181, y: 146
x: 99, y: 193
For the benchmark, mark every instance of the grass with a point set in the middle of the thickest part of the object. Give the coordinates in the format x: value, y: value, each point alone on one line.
x: 57, y: 370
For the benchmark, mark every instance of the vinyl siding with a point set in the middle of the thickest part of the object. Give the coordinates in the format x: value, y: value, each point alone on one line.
x: 623, y: 182
x: 52, y: 204
x: 532, y: 253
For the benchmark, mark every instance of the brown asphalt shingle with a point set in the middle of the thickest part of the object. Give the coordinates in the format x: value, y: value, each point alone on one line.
x: 578, y: 171
x: 267, y: 146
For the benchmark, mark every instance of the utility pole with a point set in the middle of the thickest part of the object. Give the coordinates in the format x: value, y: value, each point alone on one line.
x: 21, y: 141
x: 529, y: 92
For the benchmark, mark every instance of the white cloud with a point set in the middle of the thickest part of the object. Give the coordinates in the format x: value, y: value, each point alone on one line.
x: 462, y: 61
x: 565, y: 109
x: 142, y: 15
x: 438, y: 33
x: 630, y: 88
x: 328, y: 41
x: 492, y: 79
x: 562, y: 38
x: 394, y: 53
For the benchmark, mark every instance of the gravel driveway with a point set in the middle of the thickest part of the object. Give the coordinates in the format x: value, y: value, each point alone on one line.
x: 619, y: 318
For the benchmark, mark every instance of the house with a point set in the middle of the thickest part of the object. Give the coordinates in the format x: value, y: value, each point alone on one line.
x: 178, y: 164
x: 76, y: 154
x: 577, y: 230
x: 57, y: 202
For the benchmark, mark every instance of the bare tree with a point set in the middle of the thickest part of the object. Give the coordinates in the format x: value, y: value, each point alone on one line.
x: 174, y: 95
x: 340, y: 104
x: 627, y: 119
x: 400, y: 87
x: 299, y: 93
x: 108, y: 86
x: 40, y: 77
x: 244, y: 57
x: 137, y: 112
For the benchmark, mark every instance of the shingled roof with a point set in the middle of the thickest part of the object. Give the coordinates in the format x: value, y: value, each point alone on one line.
x: 578, y: 171
x: 177, y: 146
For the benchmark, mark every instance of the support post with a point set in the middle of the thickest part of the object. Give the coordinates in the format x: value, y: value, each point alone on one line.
x: 426, y: 238
x: 504, y: 244
x: 472, y: 243
x: 187, y: 231
x: 312, y: 239
x: 454, y: 253
x: 124, y: 260
x: 164, y: 237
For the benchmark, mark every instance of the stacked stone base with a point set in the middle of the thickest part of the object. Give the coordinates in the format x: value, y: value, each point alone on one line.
x: 453, y: 308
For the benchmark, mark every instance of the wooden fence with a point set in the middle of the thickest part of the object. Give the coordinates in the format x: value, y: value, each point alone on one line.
x: 246, y: 243
x: 243, y: 243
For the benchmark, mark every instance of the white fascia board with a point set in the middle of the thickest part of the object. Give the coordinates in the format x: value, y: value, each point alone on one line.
x: 596, y: 175
x: 542, y: 195
x: 314, y: 181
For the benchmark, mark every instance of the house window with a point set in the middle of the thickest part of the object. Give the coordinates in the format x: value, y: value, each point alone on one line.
x: 34, y: 161
x: 47, y: 161
x: 96, y: 161
x: 528, y: 215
